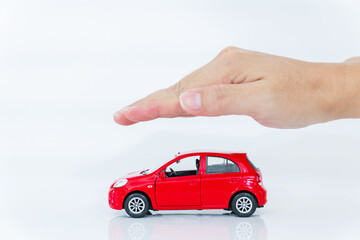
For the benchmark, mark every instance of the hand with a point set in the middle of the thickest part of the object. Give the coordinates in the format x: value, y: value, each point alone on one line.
x: 276, y: 91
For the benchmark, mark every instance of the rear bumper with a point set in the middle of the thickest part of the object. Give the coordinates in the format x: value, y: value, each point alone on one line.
x: 261, y: 196
x: 116, y: 198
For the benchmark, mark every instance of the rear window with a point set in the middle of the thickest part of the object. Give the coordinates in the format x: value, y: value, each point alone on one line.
x: 220, y: 165
x: 252, y: 165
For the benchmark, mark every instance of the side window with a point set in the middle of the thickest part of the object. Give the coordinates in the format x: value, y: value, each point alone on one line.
x: 185, y: 167
x: 220, y: 165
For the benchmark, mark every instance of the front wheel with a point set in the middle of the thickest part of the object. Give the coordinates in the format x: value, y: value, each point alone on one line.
x: 244, y: 205
x: 136, y: 205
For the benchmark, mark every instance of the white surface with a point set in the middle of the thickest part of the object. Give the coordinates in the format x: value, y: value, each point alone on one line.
x: 66, y: 66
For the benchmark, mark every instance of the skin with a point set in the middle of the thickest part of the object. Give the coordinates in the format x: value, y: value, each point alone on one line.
x: 276, y: 91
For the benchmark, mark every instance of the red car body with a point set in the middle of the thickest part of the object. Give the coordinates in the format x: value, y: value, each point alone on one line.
x: 201, y: 191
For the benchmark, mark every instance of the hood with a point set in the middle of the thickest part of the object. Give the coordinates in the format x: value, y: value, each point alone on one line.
x: 131, y: 175
x: 134, y: 174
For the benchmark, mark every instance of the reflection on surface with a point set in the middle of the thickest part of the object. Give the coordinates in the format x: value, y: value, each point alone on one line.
x: 188, y: 226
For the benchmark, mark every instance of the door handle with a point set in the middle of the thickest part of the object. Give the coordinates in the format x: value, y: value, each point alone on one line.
x: 193, y: 183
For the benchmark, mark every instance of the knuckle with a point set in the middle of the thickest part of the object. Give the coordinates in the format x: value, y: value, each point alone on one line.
x: 231, y: 59
x: 228, y: 65
x: 229, y: 55
x: 353, y: 60
x: 233, y: 51
x: 227, y: 49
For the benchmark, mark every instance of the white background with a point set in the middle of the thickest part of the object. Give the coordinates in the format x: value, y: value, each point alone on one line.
x: 67, y: 65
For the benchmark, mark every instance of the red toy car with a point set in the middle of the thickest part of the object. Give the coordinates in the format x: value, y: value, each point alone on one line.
x: 198, y: 180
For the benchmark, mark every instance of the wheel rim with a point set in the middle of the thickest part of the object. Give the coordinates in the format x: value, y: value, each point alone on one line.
x: 136, y: 205
x: 244, y: 205
x: 137, y: 231
x: 244, y: 231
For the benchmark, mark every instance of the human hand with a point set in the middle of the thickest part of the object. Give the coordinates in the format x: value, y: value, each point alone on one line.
x: 276, y: 91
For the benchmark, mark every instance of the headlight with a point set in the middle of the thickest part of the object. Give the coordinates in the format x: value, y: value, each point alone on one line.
x: 120, y: 183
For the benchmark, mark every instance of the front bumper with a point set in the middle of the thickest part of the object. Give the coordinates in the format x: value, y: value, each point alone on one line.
x: 116, y: 198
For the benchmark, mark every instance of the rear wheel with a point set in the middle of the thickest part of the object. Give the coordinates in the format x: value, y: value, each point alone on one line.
x: 244, y: 205
x: 136, y: 205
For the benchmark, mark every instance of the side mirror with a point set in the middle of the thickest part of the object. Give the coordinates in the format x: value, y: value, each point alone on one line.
x: 162, y: 175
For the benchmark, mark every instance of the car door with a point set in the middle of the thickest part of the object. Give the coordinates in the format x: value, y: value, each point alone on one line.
x: 221, y: 179
x: 182, y: 188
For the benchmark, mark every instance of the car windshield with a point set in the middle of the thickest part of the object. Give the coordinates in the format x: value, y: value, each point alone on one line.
x: 156, y: 165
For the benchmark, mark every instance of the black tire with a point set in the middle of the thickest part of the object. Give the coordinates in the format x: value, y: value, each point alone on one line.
x: 136, y: 205
x: 244, y: 204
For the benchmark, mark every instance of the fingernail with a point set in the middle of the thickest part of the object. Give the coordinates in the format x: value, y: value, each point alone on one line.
x: 125, y: 109
x: 117, y: 114
x: 191, y: 100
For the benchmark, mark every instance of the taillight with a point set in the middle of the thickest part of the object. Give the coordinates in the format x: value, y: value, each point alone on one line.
x: 259, y: 179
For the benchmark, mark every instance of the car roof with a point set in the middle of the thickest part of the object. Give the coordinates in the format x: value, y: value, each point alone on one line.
x: 208, y: 152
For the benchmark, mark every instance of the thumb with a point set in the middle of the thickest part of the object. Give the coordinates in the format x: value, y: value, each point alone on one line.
x: 222, y: 99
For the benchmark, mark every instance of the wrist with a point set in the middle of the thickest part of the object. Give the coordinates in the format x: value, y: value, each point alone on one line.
x: 345, y: 89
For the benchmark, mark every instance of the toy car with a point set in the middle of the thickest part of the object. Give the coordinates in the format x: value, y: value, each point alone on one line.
x: 198, y: 180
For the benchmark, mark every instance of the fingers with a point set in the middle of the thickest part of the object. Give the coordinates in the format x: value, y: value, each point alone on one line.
x: 225, y: 69
x: 160, y: 104
x: 223, y: 99
x: 163, y: 103
x: 120, y: 118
